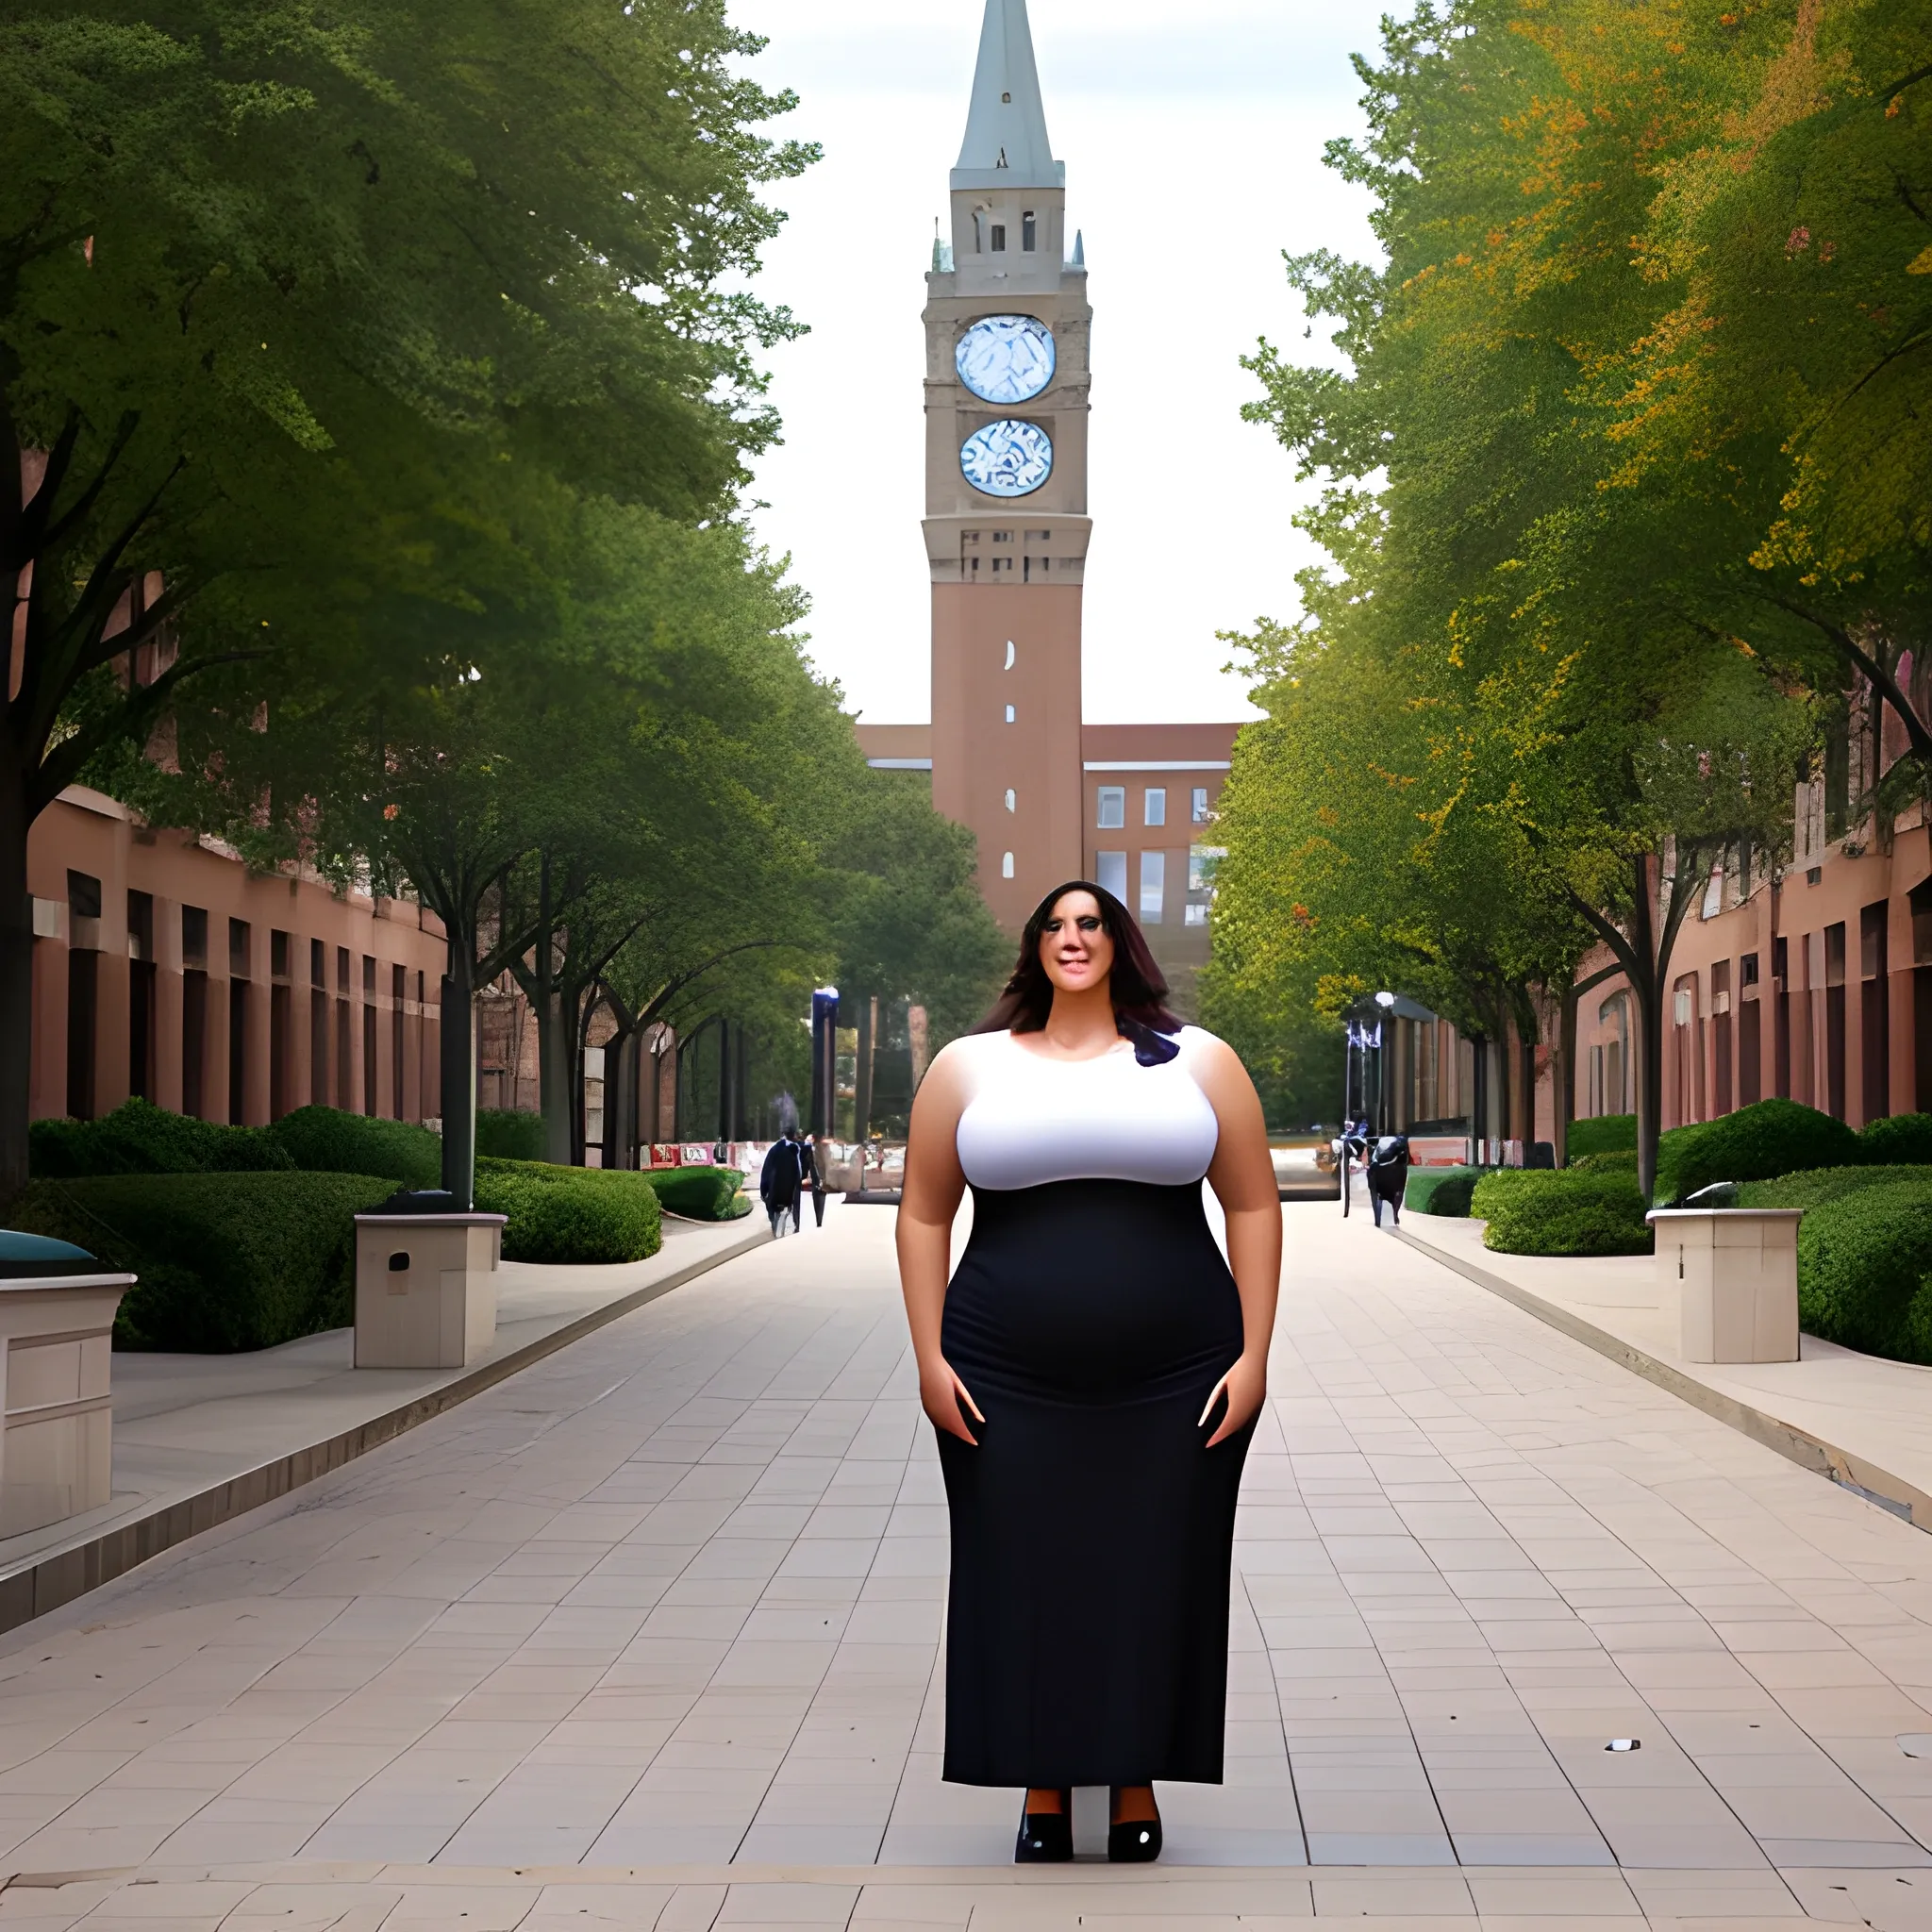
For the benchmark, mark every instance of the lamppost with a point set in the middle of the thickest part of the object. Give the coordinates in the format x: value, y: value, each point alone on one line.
x: 825, y: 1059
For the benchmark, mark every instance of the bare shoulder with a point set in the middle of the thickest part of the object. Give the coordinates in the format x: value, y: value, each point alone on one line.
x: 1210, y: 1056
x: 950, y: 1077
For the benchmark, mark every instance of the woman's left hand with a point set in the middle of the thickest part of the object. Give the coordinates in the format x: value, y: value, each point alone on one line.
x: 1245, y: 1385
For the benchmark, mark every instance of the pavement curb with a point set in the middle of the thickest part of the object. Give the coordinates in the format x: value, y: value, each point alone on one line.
x: 45, y: 1583
x: 1880, y: 1486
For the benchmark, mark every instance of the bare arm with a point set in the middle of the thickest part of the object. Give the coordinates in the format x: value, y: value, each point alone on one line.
x: 934, y: 1187
x: 1242, y: 1177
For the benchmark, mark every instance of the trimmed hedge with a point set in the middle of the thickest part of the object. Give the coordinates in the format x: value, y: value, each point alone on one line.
x: 1756, y: 1144
x: 576, y: 1216
x: 1900, y: 1139
x: 1443, y: 1191
x: 228, y: 1263
x: 1541, y: 1212
x: 701, y: 1194
x: 325, y: 1140
x: 1864, y: 1256
x: 1612, y: 1133
x: 1612, y: 1160
x: 1823, y: 1185
x: 140, y: 1138
x: 506, y: 1133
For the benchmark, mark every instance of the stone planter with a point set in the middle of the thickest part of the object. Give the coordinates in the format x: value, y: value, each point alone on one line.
x: 57, y: 1336
x: 1735, y: 1271
x: 426, y: 1289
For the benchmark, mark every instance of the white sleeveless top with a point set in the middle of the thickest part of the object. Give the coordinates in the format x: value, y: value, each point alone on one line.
x: 1030, y: 1120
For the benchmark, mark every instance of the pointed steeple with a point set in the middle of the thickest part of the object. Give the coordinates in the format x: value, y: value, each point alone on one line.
x: 1007, y: 143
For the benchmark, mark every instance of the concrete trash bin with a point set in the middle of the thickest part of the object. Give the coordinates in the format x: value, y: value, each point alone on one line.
x: 426, y: 1289
x: 57, y: 1304
x: 1736, y: 1272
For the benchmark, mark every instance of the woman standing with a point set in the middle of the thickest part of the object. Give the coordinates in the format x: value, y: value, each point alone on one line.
x: 1093, y: 1370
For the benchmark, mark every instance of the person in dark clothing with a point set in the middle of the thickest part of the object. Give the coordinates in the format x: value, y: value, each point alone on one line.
x: 814, y: 1176
x: 778, y: 1183
x: 1388, y: 1174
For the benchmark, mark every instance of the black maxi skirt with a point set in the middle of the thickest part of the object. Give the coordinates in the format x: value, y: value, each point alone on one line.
x: 1092, y: 1531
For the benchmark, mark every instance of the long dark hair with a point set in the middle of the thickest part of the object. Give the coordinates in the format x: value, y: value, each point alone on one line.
x: 1138, y: 985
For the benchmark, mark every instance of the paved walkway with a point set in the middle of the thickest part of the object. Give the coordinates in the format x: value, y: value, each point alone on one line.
x: 654, y: 1627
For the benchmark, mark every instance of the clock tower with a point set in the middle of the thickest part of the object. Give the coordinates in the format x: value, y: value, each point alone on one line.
x: 1008, y: 329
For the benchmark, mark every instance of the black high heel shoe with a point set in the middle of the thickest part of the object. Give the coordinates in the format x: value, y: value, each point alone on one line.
x: 1136, y: 1842
x: 1046, y: 1838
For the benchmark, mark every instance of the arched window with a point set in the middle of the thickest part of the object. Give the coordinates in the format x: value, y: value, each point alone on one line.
x: 1029, y: 231
x: 1006, y: 866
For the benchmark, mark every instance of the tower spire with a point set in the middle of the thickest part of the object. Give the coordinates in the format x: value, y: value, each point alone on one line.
x: 1006, y: 144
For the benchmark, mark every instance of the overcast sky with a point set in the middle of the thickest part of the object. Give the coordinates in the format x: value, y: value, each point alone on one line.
x: 1193, y: 137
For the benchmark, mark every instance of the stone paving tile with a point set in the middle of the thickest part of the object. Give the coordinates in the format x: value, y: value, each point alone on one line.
x: 675, y: 1598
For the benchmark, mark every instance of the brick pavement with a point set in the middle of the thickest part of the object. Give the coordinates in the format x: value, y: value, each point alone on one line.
x: 650, y: 1634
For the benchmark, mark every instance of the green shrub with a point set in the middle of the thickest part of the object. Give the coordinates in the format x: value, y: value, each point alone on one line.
x: 1900, y: 1139
x: 140, y: 1138
x: 1864, y: 1259
x: 1531, y: 1212
x: 1612, y: 1160
x: 701, y: 1194
x: 509, y: 1133
x: 325, y: 1140
x: 1612, y: 1133
x: 579, y: 1216
x: 1443, y: 1191
x: 1823, y: 1185
x: 1756, y: 1144
x: 228, y: 1263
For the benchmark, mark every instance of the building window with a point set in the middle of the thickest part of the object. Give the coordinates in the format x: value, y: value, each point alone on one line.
x: 978, y: 232
x: 1200, y: 805
x: 1156, y: 805
x: 1012, y: 799
x: 1110, y: 874
x: 194, y: 936
x: 1747, y: 970
x: 999, y: 238
x: 1113, y: 807
x: 1153, y: 886
x: 1197, y: 915
x: 1006, y: 866
x: 1029, y: 231
x: 1203, y: 861
x: 1012, y: 714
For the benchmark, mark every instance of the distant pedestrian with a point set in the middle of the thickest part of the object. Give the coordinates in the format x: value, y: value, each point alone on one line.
x: 802, y: 1154
x: 814, y: 1178
x: 1388, y: 1176
x: 778, y: 1184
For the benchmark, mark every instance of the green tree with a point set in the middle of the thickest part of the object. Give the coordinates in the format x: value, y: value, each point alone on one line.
x: 1545, y: 633
x: 296, y: 317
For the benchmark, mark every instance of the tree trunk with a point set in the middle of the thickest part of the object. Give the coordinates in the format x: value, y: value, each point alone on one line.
x: 1528, y: 1035
x: 861, y: 1107
x: 621, y: 1101
x: 1478, y: 1097
x: 458, y: 1042
x: 1563, y: 1075
x: 16, y: 990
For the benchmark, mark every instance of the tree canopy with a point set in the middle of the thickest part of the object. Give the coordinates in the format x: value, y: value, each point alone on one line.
x: 1624, y: 487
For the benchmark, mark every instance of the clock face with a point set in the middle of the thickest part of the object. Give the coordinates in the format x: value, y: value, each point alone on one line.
x: 1008, y: 458
x: 1007, y: 358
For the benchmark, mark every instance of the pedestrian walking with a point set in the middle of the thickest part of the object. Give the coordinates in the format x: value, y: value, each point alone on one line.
x: 778, y: 1184
x: 1388, y: 1176
x: 1093, y: 1369
x: 814, y: 1176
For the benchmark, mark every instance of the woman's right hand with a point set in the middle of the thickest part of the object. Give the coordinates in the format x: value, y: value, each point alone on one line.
x: 941, y: 1394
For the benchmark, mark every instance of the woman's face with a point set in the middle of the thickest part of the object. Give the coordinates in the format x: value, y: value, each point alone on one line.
x: 1075, y: 948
